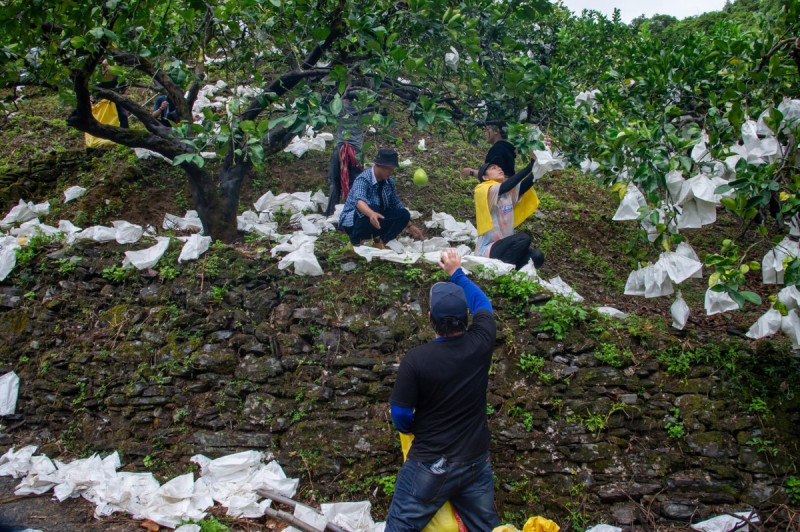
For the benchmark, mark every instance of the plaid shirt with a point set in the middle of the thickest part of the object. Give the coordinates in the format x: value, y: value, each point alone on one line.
x: 365, y: 187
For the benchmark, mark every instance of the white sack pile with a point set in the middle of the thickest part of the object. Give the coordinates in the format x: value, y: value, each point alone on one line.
x: 233, y: 481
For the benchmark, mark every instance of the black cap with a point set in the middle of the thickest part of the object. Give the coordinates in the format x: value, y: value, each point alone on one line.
x: 482, y: 170
x: 387, y: 157
x: 448, y: 300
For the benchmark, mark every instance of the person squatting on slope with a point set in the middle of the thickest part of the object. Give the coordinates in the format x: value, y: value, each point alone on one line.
x: 345, y: 158
x: 502, y: 152
x: 501, y: 204
x: 165, y: 111
x: 440, y: 397
x: 373, y: 209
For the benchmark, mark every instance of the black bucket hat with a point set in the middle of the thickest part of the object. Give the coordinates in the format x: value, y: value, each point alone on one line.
x: 387, y: 157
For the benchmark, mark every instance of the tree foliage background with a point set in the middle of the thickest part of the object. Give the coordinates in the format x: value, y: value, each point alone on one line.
x: 662, y: 86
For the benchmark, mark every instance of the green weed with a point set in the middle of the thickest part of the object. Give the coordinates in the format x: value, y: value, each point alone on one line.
x: 613, y: 355
x: 674, y: 426
x: 793, y: 489
x: 533, y: 366
x: 559, y: 316
x: 118, y: 274
x: 523, y: 416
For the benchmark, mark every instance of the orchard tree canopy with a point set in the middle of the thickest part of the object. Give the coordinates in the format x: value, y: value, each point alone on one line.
x: 653, y: 106
x: 299, y: 55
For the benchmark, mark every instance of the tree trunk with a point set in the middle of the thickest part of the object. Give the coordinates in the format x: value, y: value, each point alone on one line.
x: 216, y: 206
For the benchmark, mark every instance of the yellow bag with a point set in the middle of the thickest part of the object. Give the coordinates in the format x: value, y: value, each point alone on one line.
x: 104, y: 112
x: 445, y: 519
x: 534, y: 524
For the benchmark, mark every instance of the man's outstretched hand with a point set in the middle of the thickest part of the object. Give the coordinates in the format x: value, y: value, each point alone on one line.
x: 450, y: 261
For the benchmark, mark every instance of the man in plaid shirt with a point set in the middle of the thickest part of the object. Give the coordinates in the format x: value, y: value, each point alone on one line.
x: 373, y: 209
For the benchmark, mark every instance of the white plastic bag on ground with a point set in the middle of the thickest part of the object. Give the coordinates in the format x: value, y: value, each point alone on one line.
x: 24, y: 211
x: 126, y: 232
x: 69, y: 230
x: 97, y: 233
x: 309, y: 141
x: 9, y: 390
x: 604, y: 528
x: 308, y: 516
x: 8, y: 255
x: 612, y: 312
x: 301, y: 254
x: 188, y: 528
x: 195, y: 246
x: 190, y: 222
x: 293, y: 203
x: 34, y: 483
x: 353, y: 516
x: 16, y: 463
x: 727, y: 523
x: 32, y: 227
x: 73, y: 193
x: 452, y: 230
x: 680, y: 312
x: 146, y: 258
x: 144, y: 153
x: 717, y: 302
x: 557, y: 286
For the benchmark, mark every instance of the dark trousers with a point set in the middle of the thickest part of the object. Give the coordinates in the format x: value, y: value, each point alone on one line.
x: 516, y: 250
x: 122, y: 114
x: 334, y: 181
x: 392, y: 224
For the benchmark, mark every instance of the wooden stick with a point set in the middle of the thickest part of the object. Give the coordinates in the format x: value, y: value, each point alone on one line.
x: 291, y: 503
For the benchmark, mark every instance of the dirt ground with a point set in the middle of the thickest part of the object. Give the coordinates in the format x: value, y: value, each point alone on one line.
x: 48, y: 515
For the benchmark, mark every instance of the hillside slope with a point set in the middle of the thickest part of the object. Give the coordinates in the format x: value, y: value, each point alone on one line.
x: 230, y: 353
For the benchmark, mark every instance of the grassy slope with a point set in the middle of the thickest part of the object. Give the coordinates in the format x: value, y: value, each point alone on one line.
x: 573, y: 226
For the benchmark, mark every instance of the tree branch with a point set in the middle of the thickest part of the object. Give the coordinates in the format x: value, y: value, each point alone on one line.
x: 174, y: 93
x: 774, y: 50
x: 145, y: 117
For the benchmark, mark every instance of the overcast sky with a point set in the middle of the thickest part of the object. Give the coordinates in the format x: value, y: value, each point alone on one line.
x: 630, y: 9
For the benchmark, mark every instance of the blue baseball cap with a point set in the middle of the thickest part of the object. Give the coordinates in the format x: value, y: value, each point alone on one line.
x: 448, y: 300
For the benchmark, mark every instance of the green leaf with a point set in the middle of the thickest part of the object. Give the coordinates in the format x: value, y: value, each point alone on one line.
x: 248, y: 126
x: 736, y: 115
x: 336, y: 105
x: 737, y: 297
x: 791, y: 275
x: 751, y: 297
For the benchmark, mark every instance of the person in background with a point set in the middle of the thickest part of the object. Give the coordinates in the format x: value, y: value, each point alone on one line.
x: 502, y: 152
x: 373, y: 209
x: 440, y: 396
x: 345, y: 158
x: 111, y: 82
x: 165, y: 111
